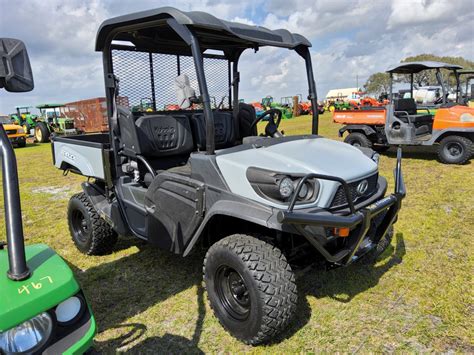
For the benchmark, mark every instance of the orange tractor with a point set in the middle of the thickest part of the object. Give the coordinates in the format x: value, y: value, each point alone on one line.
x: 401, y: 122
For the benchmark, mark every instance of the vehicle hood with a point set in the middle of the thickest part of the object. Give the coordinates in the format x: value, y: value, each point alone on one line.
x: 302, y: 156
x: 51, y: 282
x: 10, y: 126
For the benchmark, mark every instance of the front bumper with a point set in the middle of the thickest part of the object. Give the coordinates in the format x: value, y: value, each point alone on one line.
x: 360, y: 222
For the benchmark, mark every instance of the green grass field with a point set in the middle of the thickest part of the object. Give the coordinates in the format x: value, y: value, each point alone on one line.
x: 418, y: 297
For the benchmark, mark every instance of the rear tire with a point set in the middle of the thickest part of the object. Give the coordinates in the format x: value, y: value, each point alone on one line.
x: 91, y: 234
x: 455, y: 150
x: 358, y: 139
x: 250, y: 287
x: 42, y: 132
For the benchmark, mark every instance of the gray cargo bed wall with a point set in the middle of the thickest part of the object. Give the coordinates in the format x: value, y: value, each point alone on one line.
x: 82, y: 154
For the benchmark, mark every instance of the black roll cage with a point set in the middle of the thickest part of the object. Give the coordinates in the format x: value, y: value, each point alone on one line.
x: 192, y: 37
x: 418, y: 67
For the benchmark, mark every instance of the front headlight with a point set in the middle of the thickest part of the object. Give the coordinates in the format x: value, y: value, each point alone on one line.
x: 280, y: 187
x: 376, y: 157
x: 27, y: 337
x: 20, y: 131
x: 70, y: 310
x: 467, y: 117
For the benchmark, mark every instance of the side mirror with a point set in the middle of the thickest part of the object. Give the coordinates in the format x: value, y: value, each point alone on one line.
x: 15, y: 69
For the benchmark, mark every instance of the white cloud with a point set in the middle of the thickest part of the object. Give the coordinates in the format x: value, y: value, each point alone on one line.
x: 350, y: 38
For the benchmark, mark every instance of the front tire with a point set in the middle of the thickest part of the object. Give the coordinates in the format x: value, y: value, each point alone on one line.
x: 455, y: 150
x: 358, y: 139
x: 42, y: 132
x: 91, y: 234
x: 250, y: 287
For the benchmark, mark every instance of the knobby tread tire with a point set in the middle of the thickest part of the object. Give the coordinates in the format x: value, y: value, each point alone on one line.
x: 468, y: 153
x: 103, y: 237
x: 360, y: 137
x: 273, y: 275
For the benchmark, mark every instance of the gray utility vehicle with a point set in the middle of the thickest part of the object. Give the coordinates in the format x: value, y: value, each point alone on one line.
x: 201, y: 176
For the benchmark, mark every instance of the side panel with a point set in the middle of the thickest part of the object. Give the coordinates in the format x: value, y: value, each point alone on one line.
x: 446, y: 118
x: 175, y: 208
x: 87, y: 161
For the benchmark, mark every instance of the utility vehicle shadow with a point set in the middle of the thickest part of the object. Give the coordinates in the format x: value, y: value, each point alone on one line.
x: 356, y: 278
x: 126, y: 287
x: 168, y: 343
x: 348, y: 281
x: 123, y: 288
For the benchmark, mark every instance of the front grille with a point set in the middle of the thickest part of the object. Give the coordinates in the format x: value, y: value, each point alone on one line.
x: 69, y: 125
x: 11, y: 131
x: 340, y: 200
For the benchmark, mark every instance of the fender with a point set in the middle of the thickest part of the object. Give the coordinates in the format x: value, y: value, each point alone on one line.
x: 368, y: 130
x: 440, y: 134
x: 108, y: 210
x: 254, y: 213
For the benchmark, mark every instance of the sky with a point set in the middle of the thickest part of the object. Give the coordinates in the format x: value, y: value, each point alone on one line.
x: 351, y: 40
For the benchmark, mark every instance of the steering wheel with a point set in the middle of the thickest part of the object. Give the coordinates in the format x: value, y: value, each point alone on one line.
x: 271, y: 129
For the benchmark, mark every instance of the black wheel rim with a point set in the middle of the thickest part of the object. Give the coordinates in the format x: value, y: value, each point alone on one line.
x: 233, y: 293
x: 454, y: 149
x: 80, y: 226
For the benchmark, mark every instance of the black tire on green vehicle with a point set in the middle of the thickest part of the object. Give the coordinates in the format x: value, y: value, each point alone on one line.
x: 251, y: 287
x: 42, y: 132
x: 91, y: 234
x: 358, y: 139
x: 455, y: 150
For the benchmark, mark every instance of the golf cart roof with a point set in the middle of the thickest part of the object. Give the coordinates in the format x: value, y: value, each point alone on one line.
x: 466, y: 72
x: 42, y: 106
x: 416, y: 67
x: 151, y: 29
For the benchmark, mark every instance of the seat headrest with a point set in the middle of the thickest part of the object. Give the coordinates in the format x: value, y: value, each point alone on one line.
x: 184, y: 91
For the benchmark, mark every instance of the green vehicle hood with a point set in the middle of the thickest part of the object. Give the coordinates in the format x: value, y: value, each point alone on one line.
x: 51, y: 282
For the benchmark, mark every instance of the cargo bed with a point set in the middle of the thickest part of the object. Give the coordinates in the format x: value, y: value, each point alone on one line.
x: 87, y: 155
x: 368, y: 116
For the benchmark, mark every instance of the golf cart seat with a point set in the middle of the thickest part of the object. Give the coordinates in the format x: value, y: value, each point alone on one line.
x: 406, y: 111
x: 223, y: 126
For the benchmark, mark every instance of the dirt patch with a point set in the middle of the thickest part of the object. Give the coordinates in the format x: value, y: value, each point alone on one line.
x: 57, y: 192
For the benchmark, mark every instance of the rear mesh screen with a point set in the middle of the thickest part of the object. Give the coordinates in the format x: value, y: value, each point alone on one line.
x: 146, y: 79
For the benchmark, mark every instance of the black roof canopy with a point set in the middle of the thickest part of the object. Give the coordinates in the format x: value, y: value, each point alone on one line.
x: 416, y: 67
x: 150, y: 30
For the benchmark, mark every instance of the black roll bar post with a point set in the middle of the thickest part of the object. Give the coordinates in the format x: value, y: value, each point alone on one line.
x: 18, y: 270
x: 303, y: 51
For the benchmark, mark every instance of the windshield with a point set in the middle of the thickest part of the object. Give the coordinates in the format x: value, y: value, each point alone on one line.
x: 5, y: 120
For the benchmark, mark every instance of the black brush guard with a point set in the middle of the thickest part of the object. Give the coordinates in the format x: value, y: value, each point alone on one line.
x: 359, y: 221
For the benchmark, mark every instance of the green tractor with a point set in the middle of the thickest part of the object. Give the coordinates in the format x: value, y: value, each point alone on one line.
x: 43, y: 309
x: 52, y: 122
x: 25, y: 118
x: 268, y: 103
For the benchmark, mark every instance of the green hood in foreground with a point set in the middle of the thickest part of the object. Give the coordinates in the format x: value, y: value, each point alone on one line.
x: 51, y: 282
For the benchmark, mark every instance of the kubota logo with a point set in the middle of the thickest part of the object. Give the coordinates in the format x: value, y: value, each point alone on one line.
x: 362, y: 187
x: 69, y: 156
